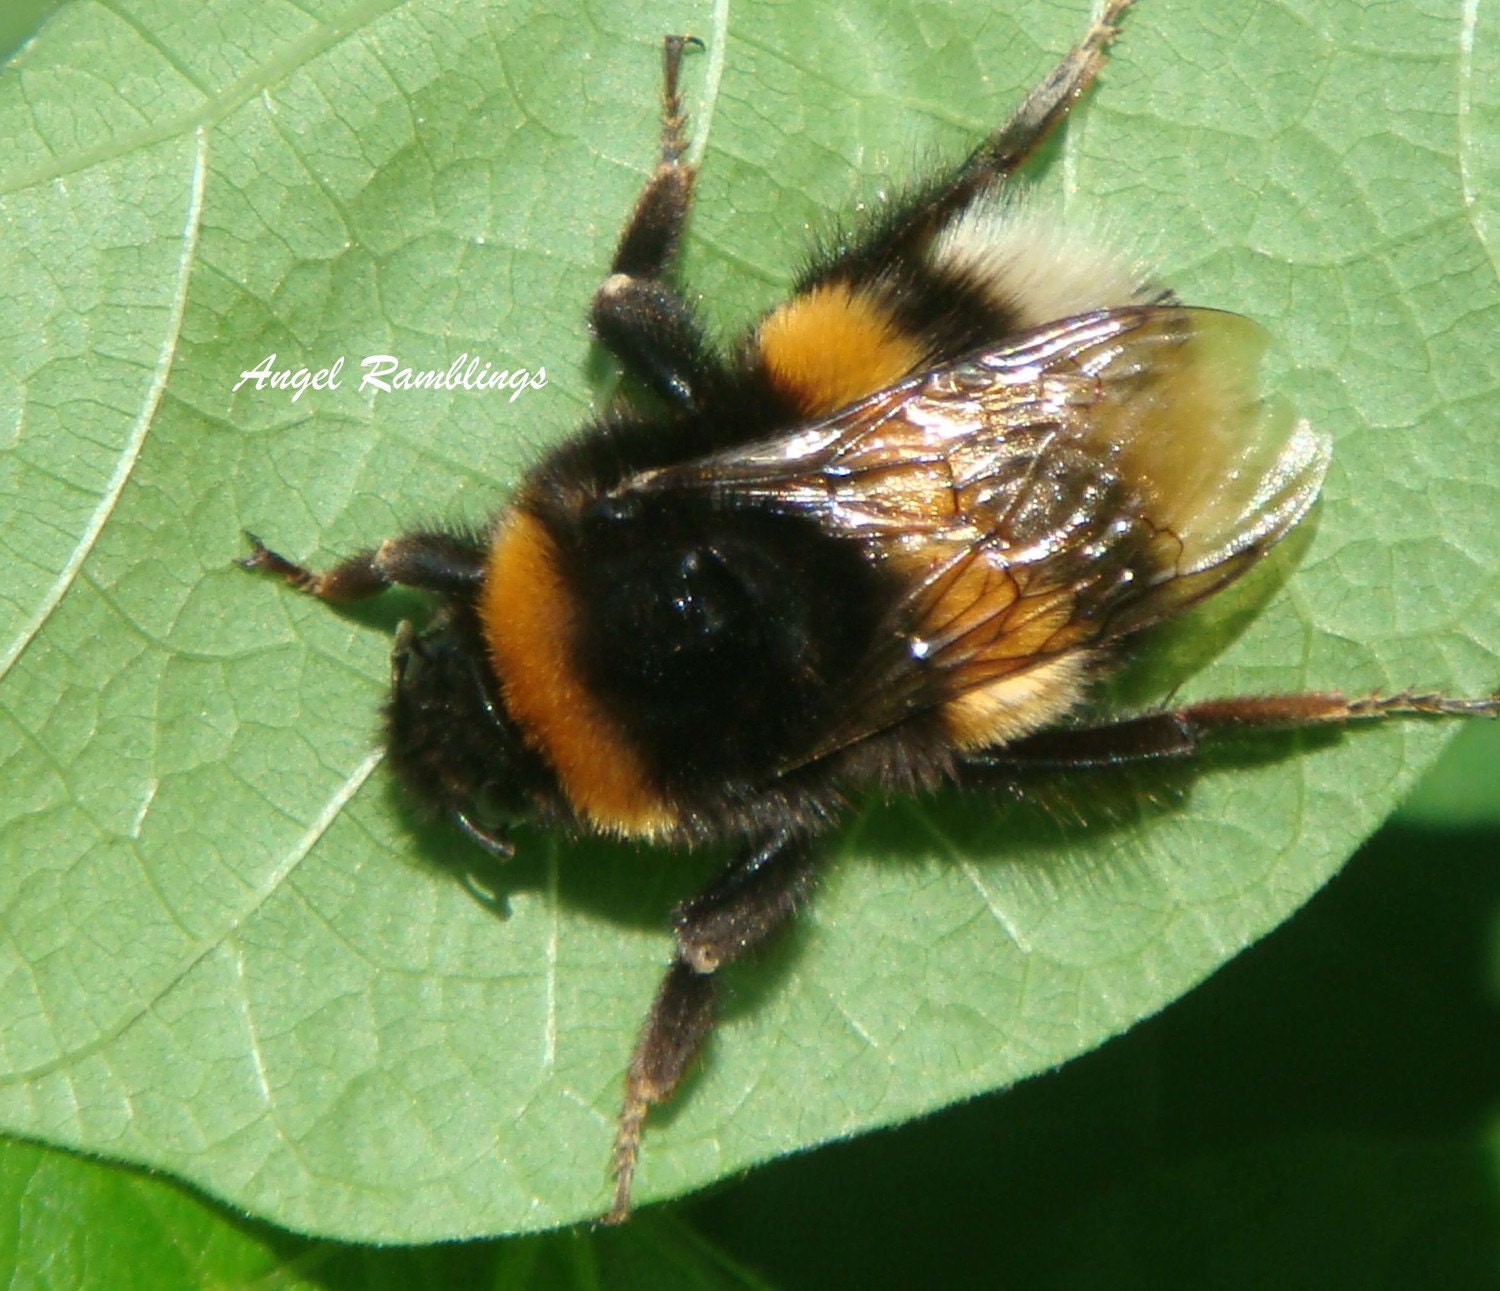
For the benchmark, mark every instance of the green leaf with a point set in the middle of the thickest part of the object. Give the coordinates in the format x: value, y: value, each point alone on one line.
x: 1460, y: 789
x: 70, y: 1223
x: 79, y: 1226
x: 19, y: 19
x: 229, y: 953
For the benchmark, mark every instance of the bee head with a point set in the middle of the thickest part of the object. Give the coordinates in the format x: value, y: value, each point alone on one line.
x: 450, y: 741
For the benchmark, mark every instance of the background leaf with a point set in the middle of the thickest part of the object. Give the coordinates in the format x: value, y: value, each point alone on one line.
x: 1322, y: 1113
x: 81, y: 1226
x: 1465, y: 793
x: 227, y: 952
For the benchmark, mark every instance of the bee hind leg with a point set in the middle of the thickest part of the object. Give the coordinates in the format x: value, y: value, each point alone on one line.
x: 905, y: 236
x: 752, y: 900
x: 1043, y: 109
x: 1180, y: 733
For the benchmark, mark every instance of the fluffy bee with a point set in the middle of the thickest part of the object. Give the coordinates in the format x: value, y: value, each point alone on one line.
x: 885, y: 543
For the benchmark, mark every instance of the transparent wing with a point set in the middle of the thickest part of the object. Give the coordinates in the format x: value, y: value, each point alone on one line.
x: 1079, y: 482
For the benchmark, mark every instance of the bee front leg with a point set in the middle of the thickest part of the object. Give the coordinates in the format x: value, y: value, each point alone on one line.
x: 431, y: 561
x: 636, y: 313
x: 752, y: 900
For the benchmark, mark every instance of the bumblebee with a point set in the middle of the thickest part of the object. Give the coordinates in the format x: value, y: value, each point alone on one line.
x: 886, y: 543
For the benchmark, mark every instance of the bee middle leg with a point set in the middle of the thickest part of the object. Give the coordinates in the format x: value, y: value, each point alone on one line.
x: 636, y: 313
x: 753, y: 899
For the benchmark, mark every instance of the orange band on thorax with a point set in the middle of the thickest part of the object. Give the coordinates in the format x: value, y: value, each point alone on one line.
x: 528, y: 614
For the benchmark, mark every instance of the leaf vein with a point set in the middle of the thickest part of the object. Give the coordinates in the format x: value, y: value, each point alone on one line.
x: 135, y: 442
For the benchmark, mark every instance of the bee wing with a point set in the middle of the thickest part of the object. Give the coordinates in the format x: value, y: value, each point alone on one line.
x: 1075, y: 484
